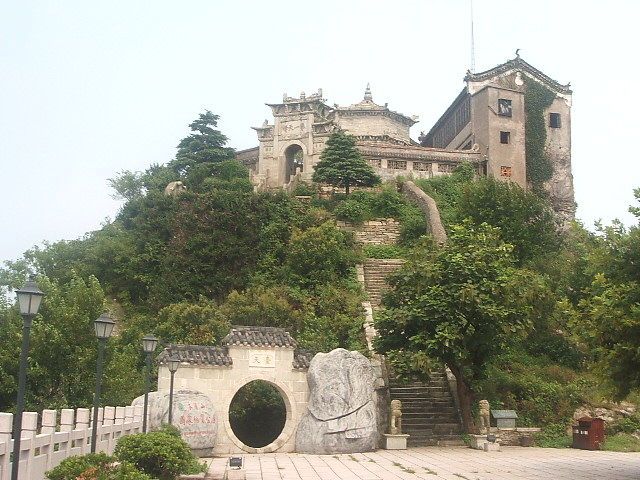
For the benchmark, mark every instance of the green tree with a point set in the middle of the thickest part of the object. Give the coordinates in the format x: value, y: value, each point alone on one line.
x: 525, y: 220
x: 342, y: 165
x: 201, y: 150
x: 191, y: 323
x: 460, y: 304
x: 319, y: 255
x: 609, y: 312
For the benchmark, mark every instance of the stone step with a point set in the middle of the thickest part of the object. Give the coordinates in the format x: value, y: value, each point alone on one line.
x: 435, y: 441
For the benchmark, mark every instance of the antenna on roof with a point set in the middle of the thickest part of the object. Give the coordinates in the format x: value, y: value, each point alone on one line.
x: 473, y: 49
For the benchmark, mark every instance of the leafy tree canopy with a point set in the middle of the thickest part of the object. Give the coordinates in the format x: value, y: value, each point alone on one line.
x: 461, y: 304
x: 342, y: 165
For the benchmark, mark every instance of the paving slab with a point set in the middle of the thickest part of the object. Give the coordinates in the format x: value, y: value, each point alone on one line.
x: 440, y: 463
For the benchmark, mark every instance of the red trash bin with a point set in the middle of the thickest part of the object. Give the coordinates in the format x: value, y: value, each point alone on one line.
x: 588, y: 434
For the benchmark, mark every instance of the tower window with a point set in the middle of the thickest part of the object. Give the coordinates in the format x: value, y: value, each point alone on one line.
x: 505, y: 171
x: 554, y: 120
x: 504, y: 107
x: 505, y: 137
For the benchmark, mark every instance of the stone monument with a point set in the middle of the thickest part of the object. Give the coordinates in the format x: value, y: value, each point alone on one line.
x: 485, y: 415
x: 193, y: 414
x: 341, y: 414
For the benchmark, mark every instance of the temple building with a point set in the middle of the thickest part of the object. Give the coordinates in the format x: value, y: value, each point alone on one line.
x: 486, y: 125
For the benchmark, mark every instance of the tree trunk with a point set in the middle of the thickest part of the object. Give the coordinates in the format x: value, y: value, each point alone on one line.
x: 346, y: 188
x: 465, y: 395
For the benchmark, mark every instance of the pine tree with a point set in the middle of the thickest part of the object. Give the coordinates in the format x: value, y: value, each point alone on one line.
x: 201, y: 150
x: 342, y: 165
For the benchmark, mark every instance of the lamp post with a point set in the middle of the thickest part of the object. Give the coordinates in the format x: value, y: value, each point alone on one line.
x: 173, y: 362
x: 104, y: 327
x: 29, y: 298
x: 149, y: 343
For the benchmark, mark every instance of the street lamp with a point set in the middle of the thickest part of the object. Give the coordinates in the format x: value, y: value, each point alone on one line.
x: 29, y: 298
x: 149, y: 343
x: 104, y: 327
x: 173, y: 362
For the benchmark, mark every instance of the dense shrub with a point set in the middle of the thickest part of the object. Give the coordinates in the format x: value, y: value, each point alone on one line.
x: 628, y: 424
x: 72, y: 467
x: 95, y: 466
x: 621, y: 442
x: 352, y: 211
x: 382, y: 251
x: 159, y: 454
x: 553, y: 436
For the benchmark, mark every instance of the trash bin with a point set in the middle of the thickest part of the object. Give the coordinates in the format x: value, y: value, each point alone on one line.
x: 588, y: 434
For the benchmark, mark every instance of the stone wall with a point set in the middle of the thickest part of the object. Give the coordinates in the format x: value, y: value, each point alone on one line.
x: 383, y: 231
x: 512, y: 436
x: 429, y: 208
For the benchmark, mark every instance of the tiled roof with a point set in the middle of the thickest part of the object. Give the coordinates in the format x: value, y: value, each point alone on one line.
x: 259, y: 337
x: 301, y: 359
x: 197, y: 354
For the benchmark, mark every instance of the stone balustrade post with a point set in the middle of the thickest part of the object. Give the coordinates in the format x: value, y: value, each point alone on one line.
x: 6, y: 426
x: 67, y: 416
x: 138, y: 411
x: 128, y: 414
x: 29, y: 424
x: 83, y: 416
x: 49, y: 423
x: 119, y: 418
x: 109, y: 414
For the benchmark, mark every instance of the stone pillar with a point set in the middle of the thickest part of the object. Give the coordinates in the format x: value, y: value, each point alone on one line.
x: 83, y: 416
x: 29, y: 424
x: 109, y: 414
x: 66, y: 419
x: 49, y: 421
x: 128, y: 414
x: 6, y: 426
x: 119, y: 418
x: 100, y: 416
x: 138, y: 411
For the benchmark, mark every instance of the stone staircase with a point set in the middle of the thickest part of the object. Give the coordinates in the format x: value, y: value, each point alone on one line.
x: 429, y: 414
x: 375, y: 272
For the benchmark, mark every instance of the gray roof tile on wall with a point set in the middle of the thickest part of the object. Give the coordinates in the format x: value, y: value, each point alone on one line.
x: 259, y: 337
x: 197, y: 354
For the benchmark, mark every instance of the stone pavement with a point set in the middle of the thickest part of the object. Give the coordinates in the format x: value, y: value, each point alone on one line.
x: 433, y: 463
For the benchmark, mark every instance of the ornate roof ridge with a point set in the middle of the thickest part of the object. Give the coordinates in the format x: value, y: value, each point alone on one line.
x: 516, y: 63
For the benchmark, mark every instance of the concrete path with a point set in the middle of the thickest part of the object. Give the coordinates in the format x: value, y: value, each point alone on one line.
x: 434, y: 463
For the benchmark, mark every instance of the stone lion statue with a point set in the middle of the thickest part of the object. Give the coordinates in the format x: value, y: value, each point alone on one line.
x: 485, y: 414
x: 395, y: 418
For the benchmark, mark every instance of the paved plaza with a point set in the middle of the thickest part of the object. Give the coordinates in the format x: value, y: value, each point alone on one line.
x: 432, y: 463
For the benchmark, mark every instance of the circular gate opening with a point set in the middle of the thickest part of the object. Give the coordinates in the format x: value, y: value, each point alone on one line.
x: 257, y: 414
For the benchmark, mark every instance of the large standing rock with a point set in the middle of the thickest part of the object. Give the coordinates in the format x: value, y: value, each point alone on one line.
x: 341, y: 415
x: 193, y: 415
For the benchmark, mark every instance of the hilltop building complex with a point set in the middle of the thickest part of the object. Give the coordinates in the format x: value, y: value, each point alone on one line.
x: 511, y: 122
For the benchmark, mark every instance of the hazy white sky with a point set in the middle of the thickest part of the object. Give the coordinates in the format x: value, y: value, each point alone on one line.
x: 91, y: 88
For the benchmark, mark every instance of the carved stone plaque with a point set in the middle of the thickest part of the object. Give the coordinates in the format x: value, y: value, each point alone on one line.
x: 262, y: 359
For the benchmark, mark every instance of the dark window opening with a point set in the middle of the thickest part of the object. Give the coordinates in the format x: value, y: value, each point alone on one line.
x: 505, y: 137
x: 294, y: 161
x: 554, y: 120
x: 257, y: 414
x: 504, y: 107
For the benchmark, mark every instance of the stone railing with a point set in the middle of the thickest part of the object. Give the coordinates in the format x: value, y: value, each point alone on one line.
x: 46, y: 443
x: 429, y: 208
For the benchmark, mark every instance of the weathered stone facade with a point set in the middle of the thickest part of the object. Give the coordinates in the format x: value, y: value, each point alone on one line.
x: 294, y: 141
x: 490, y: 114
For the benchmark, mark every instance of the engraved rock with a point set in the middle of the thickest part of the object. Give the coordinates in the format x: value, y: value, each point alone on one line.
x: 193, y: 414
x: 341, y: 416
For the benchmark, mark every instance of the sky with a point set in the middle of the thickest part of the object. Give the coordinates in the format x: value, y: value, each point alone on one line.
x: 88, y: 89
